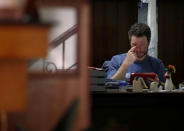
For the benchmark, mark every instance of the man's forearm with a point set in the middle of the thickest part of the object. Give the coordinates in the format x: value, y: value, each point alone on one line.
x: 120, y: 74
x: 130, y: 58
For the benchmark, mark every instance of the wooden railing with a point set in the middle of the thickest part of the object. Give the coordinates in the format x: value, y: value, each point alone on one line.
x: 61, y: 40
x: 64, y: 36
x: 58, y: 41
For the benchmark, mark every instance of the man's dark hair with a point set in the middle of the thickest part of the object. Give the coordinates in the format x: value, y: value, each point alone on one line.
x: 139, y: 30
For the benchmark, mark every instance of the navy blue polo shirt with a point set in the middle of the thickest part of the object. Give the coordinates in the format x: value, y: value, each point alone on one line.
x: 148, y: 65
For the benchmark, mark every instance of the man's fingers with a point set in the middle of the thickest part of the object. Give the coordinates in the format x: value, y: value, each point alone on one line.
x: 132, y: 49
x: 131, y: 52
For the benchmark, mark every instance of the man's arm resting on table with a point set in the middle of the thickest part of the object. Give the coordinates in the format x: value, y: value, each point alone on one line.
x: 120, y: 74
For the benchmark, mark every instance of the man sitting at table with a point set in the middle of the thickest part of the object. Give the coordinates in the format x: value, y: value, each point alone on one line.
x: 136, y: 59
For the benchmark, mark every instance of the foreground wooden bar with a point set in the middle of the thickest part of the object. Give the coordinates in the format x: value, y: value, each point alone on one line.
x: 50, y: 96
x: 19, y: 43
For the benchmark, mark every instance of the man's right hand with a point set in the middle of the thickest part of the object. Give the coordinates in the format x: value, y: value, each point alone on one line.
x: 131, y: 56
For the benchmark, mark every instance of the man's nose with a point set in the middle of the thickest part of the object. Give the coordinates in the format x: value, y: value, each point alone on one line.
x: 138, y: 48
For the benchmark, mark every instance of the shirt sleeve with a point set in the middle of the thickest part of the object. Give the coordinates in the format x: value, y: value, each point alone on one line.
x: 161, y: 72
x: 113, y: 67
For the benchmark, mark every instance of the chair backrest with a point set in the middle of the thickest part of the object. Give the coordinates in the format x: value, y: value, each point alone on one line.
x: 105, y: 66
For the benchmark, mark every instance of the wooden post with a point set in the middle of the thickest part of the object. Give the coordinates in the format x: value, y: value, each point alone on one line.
x: 19, y: 43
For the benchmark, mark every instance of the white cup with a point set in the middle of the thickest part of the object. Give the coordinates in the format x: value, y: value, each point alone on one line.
x: 154, y: 86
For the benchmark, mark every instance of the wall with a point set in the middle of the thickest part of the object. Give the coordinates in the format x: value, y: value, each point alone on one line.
x: 110, y: 25
x: 170, y: 36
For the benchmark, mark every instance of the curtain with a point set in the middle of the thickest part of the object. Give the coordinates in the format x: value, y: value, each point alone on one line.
x: 152, y: 22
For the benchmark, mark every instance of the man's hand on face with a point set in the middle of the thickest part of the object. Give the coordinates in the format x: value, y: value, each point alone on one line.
x: 131, y: 56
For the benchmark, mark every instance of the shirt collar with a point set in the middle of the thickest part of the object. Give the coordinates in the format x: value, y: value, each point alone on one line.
x: 145, y: 59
